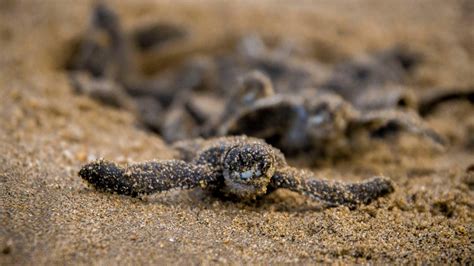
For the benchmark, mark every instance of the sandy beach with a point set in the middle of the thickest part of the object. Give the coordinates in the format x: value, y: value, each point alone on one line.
x: 49, y: 216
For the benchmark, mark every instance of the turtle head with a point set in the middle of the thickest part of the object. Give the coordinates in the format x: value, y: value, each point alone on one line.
x: 329, y: 116
x: 248, y: 169
x: 253, y: 86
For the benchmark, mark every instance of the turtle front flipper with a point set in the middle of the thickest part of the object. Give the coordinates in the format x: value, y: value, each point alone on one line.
x: 382, y: 122
x: 431, y: 99
x: 333, y: 193
x: 145, y: 178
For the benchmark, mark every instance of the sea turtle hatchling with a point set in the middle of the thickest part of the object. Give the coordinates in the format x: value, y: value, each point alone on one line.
x: 324, y: 122
x: 240, y: 167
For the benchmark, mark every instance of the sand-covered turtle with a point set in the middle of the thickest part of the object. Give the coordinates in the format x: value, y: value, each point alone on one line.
x: 323, y: 123
x: 239, y: 167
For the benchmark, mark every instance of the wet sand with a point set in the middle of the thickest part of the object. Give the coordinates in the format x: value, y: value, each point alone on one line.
x: 49, y: 216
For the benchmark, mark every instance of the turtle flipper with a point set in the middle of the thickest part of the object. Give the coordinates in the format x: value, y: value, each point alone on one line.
x: 332, y: 192
x: 145, y: 178
x: 382, y: 121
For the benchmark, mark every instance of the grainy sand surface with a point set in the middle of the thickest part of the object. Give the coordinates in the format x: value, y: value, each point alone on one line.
x: 49, y: 216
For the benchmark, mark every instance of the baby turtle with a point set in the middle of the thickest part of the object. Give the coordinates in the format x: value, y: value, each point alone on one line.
x: 240, y: 167
x: 323, y: 123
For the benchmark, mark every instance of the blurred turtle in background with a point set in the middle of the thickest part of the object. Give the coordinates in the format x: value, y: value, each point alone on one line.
x: 273, y: 93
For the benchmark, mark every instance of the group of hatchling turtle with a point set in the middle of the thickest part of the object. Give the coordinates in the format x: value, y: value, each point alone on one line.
x: 208, y: 105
